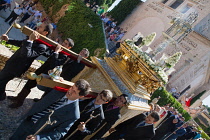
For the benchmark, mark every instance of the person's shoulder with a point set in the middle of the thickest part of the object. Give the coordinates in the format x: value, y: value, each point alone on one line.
x: 86, y: 101
x: 42, y: 45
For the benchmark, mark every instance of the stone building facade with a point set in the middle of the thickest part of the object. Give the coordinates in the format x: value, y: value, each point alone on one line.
x: 192, y: 71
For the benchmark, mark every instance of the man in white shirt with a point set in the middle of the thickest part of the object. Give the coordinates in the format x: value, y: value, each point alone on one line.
x: 30, y: 12
x: 14, y: 14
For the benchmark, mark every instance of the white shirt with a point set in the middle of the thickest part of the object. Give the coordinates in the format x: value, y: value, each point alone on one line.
x: 31, y: 10
x: 18, y: 11
x: 38, y: 13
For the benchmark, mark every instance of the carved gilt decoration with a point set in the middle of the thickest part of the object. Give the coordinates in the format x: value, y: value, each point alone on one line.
x: 137, y: 68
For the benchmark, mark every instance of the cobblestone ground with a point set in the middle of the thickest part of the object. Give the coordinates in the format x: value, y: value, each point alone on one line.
x: 9, y: 118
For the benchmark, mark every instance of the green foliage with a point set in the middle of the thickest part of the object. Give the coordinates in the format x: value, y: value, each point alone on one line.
x: 15, y: 48
x: 41, y: 61
x: 48, y: 3
x: 123, y: 9
x: 81, y: 24
x: 11, y: 47
x: 203, y: 128
x: 197, y: 97
x: 76, y: 25
x: 167, y: 98
x: 55, y: 4
x: 105, y: 3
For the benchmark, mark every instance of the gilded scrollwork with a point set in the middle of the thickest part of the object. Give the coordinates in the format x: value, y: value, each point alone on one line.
x: 137, y: 68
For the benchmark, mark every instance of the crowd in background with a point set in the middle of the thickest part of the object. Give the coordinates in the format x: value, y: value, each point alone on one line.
x: 25, y: 13
x: 172, y: 125
x: 113, y: 32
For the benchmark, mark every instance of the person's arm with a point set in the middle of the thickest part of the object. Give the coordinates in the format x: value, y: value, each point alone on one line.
x: 57, y: 58
x: 32, y: 51
x: 92, y: 126
x: 130, y: 121
x: 17, y: 43
x: 12, y: 42
x: 31, y: 11
x: 58, y: 132
x: 19, y: 7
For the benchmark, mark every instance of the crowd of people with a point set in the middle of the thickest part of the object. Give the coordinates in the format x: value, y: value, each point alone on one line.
x: 25, y: 13
x: 4, y: 4
x: 172, y: 125
x: 113, y: 33
x: 175, y: 93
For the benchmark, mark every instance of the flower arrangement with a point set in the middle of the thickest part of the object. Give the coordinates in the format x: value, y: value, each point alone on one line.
x: 172, y: 60
x: 158, y: 69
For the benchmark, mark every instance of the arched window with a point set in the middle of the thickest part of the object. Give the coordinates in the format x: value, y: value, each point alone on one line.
x: 176, y: 4
x: 185, y: 8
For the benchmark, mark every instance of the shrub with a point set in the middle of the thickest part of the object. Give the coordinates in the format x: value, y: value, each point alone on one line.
x: 81, y: 24
x: 203, y: 128
x: 197, y: 97
x: 123, y: 9
x: 167, y: 98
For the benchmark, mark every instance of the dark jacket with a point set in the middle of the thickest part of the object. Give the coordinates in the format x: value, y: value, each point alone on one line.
x: 111, y: 116
x: 22, y: 59
x: 71, y: 69
x: 91, y: 126
x: 65, y: 117
x: 53, y: 61
x: 164, y: 128
x: 128, y: 131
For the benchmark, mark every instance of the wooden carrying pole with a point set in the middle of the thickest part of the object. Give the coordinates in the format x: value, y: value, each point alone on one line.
x: 26, y: 30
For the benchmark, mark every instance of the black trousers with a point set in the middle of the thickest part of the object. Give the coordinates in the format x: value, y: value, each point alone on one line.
x: 12, y: 16
x: 26, y: 16
x: 32, y: 83
x: 2, y: 2
x: 5, y: 77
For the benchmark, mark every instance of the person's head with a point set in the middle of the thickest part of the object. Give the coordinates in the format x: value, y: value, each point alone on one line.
x: 84, y: 53
x: 182, y: 118
x: 157, y: 108
x: 104, y: 97
x: 152, y: 117
x: 171, y: 109
x: 68, y: 43
x: 78, y: 90
x: 175, y: 121
x: 45, y: 29
x: 185, y: 125
x: 121, y: 100
x: 175, y: 112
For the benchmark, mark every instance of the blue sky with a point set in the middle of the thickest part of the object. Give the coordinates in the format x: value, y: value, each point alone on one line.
x: 207, y: 101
